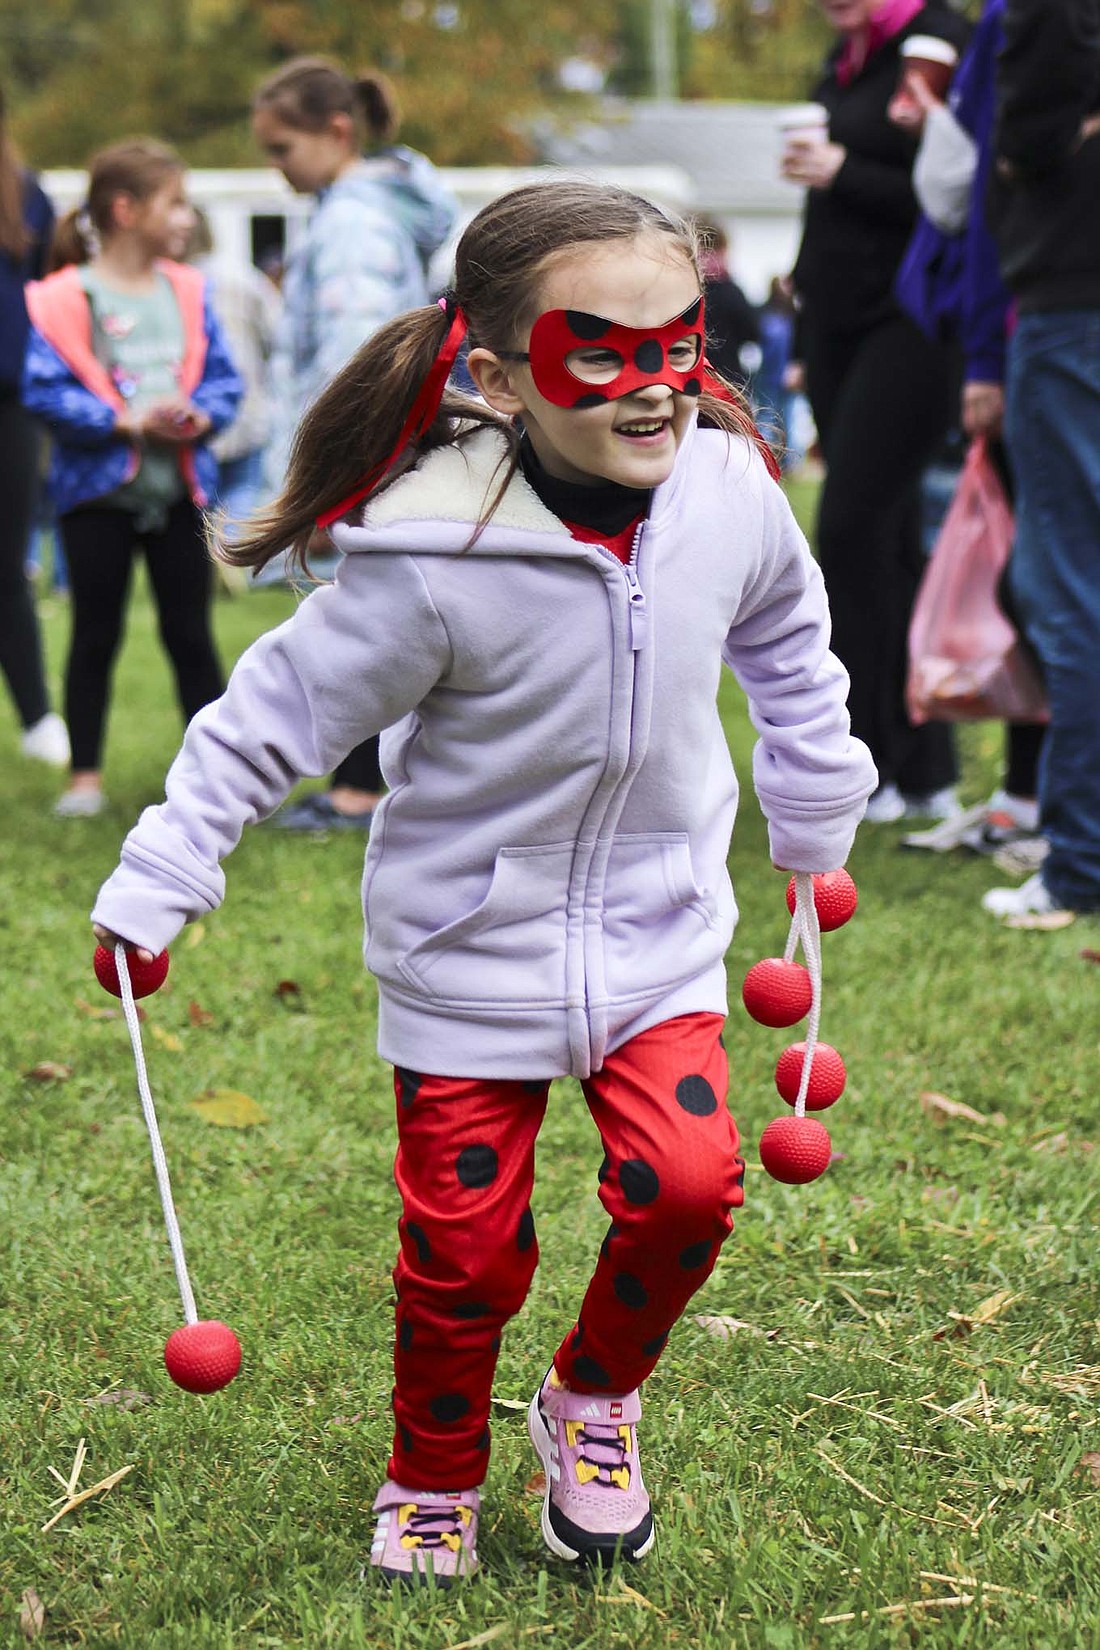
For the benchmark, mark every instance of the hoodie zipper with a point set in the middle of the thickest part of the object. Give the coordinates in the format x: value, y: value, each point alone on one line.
x: 638, y: 607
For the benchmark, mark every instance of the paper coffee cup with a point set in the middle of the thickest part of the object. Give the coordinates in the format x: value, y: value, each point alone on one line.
x: 807, y: 122
x: 934, y: 60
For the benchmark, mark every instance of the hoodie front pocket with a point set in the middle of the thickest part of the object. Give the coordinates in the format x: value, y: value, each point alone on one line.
x: 659, y: 925
x: 511, y: 947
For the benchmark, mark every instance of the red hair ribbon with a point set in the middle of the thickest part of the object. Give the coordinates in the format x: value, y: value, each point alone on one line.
x: 714, y: 386
x: 421, y: 414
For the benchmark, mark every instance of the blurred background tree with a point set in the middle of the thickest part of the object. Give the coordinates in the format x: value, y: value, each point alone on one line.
x: 471, y: 74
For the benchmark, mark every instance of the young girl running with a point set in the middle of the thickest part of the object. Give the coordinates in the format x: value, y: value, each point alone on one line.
x: 536, y: 597
x: 126, y: 366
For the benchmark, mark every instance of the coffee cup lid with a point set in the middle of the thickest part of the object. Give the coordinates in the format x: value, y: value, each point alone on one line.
x: 804, y: 114
x: 931, y: 48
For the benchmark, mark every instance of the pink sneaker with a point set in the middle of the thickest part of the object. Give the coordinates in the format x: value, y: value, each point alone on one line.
x: 422, y: 1532
x: 596, y: 1504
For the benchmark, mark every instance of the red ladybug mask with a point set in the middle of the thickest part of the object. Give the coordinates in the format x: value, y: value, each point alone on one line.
x: 582, y: 360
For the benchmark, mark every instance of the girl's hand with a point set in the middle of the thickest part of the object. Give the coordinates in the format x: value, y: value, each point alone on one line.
x: 813, y: 162
x: 983, y: 409
x: 175, y: 423
x: 109, y: 940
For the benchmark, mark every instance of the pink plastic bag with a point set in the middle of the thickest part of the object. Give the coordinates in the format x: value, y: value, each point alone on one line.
x: 966, y: 661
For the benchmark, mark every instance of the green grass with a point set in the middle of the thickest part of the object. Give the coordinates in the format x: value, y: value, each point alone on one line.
x: 858, y: 1451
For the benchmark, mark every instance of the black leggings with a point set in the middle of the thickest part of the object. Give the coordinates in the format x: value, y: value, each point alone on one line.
x: 882, y: 400
x: 100, y: 545
x: 20, y: 642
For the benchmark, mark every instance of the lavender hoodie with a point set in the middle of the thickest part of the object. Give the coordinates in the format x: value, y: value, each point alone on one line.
x: 547, y: 875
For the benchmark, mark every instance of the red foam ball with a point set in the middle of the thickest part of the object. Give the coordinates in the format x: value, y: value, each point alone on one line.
x: 145, y: 978
x: 202, y: 1357
x: 827, y: 1075
x: 835, y: 899
x: 795, y: 1149
x: 777, y: 993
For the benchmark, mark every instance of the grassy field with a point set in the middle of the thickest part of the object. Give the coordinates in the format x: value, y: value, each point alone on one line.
x: 892, y: 1440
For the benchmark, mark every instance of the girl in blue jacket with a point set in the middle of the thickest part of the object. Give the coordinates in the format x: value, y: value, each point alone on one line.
x: 126, y: 366
x: 535, y: 599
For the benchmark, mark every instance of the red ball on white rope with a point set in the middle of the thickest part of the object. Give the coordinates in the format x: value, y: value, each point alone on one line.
x: 835, y: 899
x: 203, y: 1356
x: 827, y: 1075
x: 776, y: 992
x: 795, y: 1150
x: 145, y: 977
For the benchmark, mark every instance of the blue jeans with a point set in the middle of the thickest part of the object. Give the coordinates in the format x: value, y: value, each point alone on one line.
x: 240, y: 484
x: 1053, y: 430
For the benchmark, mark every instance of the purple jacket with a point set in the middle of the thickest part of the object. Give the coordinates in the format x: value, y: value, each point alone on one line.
x: 547, y: 875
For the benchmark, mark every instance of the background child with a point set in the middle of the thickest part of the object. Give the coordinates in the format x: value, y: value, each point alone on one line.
x: 363, y: 259
x: 535, y: 604
x: 126, y: 365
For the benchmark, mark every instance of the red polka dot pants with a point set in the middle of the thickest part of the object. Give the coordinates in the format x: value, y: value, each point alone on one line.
x: 465, y: 1167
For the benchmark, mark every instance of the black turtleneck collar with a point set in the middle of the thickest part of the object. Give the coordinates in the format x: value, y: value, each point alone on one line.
x: 607, y: 507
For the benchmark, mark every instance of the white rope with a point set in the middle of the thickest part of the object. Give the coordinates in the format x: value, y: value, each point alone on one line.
x: 175, y: 1241
x: 805, y: 927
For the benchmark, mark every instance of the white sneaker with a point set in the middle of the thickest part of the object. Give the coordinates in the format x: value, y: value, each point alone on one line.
x: 942, y: 804
x: 949, y: 833
x: 47, y: 740
x: 885, y: 806
x: 79, y: 805
x: 1031, y: 899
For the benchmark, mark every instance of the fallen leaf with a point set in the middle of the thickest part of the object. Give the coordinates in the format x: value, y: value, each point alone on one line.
x: 939, y: 1107
x: 49, y: 1071
x: 199, y: 1016
x: 32, y: 1614
x: 510, y: 1406
x: 122, y: 1397
x: 346, y: 1420
x: 1090, y: 1464
x: 94, y: 1013
x: 195, y: 935
x: 536, y: 1484
x: 987, y: 1310
x: 228, y: 1109
x: 167, y: 1039
x: 1090, y: 956
x: 958, y: 1331
x: 724, y: 1328
x: 1042, y: 919
x: 289, y: 993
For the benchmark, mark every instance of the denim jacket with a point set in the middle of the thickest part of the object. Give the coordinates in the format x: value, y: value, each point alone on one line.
x: 66, y: 386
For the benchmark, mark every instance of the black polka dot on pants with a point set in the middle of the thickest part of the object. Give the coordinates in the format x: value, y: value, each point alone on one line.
x: 630, y: 1290
x: 696, y: 1096
x: 590, y: 1372
x: 451, y: 1406
x: 476, y: 1166
x: 638, y: 1181
x: 696, y: 1254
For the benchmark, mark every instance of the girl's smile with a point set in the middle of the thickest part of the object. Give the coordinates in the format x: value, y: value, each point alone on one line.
x: 634, y: 439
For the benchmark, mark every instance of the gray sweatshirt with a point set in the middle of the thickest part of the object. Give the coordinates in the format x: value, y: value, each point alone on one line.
x: 547, y: 874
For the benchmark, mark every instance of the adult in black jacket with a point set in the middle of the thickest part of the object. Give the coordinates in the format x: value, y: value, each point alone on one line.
x: 26, y: 223
x: 882, y: 395
x: 1046, y: 207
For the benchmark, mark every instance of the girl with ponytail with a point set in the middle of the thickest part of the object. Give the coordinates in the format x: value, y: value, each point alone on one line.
x: 381, y: 212
x: 536, y: 595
